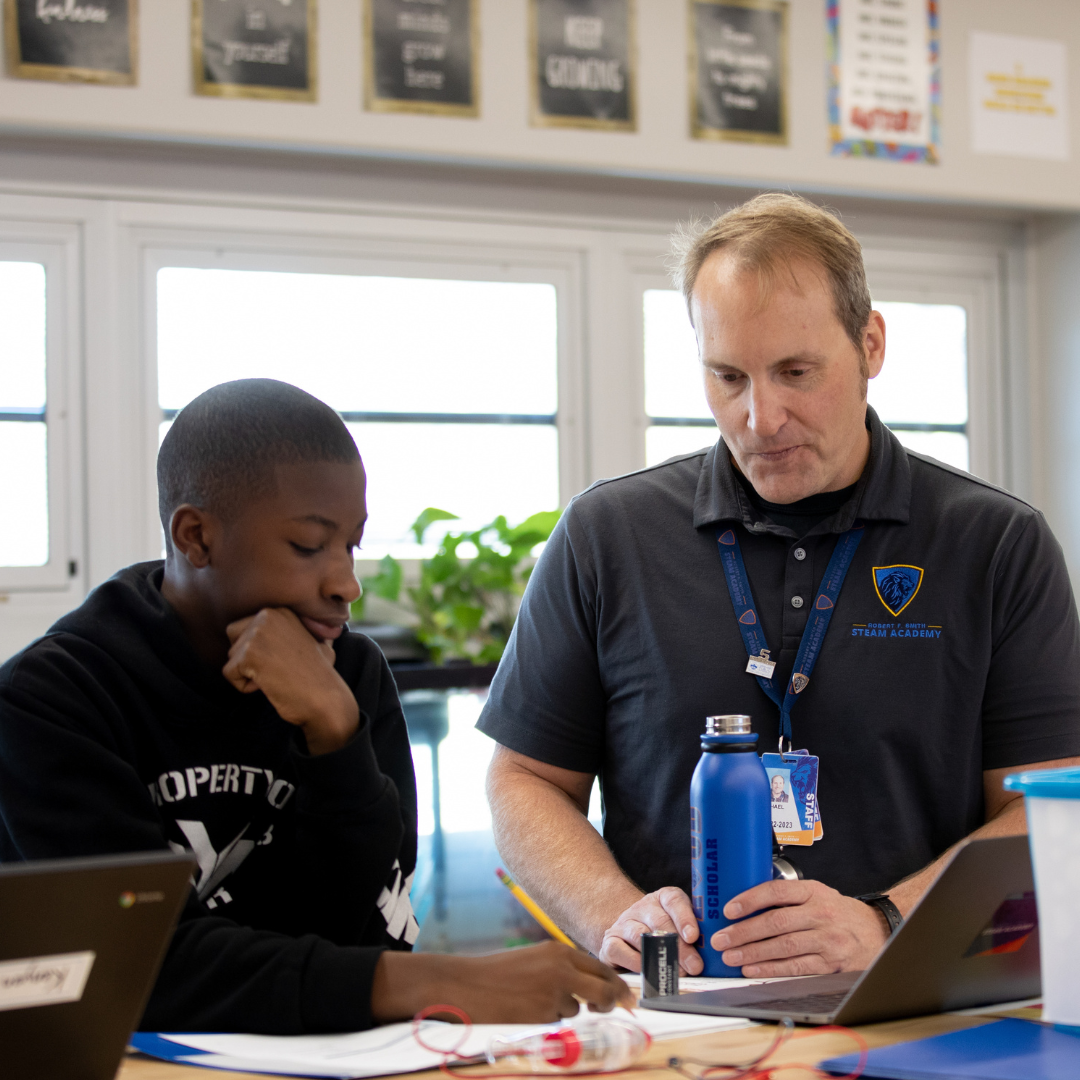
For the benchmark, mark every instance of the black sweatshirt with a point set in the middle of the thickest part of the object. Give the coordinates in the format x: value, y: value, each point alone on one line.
x: 116, y: 736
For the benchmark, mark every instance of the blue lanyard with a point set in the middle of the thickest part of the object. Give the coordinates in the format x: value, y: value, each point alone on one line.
x: 813, y: 636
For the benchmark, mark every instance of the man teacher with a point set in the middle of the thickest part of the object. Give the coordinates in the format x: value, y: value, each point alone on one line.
x: 951, y: 659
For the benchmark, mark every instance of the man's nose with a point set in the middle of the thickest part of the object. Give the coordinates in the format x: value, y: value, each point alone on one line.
x: 767, y: 414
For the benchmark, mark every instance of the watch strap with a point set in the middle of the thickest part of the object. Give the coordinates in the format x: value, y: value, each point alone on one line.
x: 887, y: 908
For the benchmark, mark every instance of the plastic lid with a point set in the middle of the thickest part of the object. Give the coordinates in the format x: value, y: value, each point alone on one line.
x: 1046, y: 783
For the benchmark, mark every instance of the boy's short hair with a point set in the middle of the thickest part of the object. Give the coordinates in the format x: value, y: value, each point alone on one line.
x: 223, y: 447
x: 765, y: 235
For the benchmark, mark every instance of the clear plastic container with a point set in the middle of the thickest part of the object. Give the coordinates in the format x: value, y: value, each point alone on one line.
x: 1052, y: 802
x: 604, y: 1044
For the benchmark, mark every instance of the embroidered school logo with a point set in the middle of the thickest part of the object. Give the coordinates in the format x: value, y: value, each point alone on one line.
x: 897, y: 586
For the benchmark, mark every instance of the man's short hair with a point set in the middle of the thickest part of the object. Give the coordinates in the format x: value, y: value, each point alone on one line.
x: 765, y: 235
x: 223, y: 447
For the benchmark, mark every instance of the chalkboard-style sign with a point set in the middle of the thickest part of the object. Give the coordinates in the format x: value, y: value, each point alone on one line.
x: 582, y: 63
x: 422, y: 56
x: 72, y: 40
x: 254, y: 48
x: 738, y: 70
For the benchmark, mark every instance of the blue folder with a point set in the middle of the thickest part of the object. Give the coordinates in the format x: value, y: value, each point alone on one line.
x: 1004, y: 1050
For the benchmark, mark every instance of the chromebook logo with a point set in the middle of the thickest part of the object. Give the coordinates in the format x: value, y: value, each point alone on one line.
x: 127, y: 899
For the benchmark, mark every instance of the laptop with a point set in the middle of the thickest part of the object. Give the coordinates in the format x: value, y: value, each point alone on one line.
x: 81, y: 941
x: 972, y: 939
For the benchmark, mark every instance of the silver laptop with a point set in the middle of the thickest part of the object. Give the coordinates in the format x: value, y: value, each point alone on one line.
x: 972, y: 940
x: 81, y: 941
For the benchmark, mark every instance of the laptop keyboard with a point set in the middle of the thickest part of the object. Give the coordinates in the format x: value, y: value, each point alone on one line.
x: 810, y: 1003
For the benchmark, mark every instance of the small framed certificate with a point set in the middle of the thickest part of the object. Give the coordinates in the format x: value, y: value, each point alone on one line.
x: 89, y: 41
x: 582, y: 56
x: 738, y: 70
x: 422, y: 57
x: 254, y: 48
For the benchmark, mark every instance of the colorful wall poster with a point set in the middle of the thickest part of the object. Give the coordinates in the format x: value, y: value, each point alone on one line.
x: 738, y: 70
x: 254, y: 48
x: 1018, y: 93
x: 884, y: 79
x: 72, y: 40
x: 582, y: 57
x: 422, y: 57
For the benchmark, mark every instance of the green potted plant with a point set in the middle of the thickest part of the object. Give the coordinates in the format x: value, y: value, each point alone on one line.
x: 463, y: 608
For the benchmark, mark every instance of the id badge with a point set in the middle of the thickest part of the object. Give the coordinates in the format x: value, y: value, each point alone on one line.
x: 819, y: 832
x: 761, y: 665
x: 792, y: 797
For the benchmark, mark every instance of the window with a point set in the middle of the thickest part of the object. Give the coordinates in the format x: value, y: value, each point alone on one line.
x: 921, y: 393
x: 24, y: 474
x: 449, y: 386
x: 678, y: 419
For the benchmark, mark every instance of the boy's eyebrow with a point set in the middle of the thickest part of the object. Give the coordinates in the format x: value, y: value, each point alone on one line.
x: 326, y: 523
x: 317, y: 519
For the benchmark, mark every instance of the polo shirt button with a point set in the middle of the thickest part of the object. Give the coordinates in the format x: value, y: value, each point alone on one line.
x: 799, y: 553
x: 796, y: 601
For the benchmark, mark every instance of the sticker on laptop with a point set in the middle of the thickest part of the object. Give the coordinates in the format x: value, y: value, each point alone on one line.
x: 44, y: 980
x: 1009, y: 927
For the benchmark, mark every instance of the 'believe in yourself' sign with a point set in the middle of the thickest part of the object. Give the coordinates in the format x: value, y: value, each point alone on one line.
x: 72, y: 40
x: 582, y: 63
x: 422, y: 56
x: 255, y: 48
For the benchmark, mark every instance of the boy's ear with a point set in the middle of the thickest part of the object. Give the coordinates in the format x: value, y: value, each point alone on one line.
x: 191, y: 530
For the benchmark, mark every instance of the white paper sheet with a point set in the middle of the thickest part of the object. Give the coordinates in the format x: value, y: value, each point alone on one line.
x: 392, y: 1049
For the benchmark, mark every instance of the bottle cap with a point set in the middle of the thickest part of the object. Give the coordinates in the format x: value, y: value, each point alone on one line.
x: 732, y: 724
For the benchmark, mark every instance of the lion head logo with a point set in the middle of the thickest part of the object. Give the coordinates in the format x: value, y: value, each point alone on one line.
x: 896, y: 586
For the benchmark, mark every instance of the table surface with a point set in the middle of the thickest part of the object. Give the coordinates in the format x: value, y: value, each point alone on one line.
x: 807, y: 1045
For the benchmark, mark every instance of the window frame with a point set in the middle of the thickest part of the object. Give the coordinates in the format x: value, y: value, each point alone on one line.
x: 274, y: 251
x: 56, y: 247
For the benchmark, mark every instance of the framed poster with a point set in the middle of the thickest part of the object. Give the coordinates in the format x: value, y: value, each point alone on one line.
x: 254, y: 48
x: 582, y: 54
x: 884, y: 79
x: 90, y: 41
x: 738, y: 70
x: 422, y: 58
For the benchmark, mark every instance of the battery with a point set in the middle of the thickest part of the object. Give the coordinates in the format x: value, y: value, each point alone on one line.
x: 659, y: 965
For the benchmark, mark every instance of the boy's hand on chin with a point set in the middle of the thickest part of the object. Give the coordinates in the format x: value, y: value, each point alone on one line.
x: 274, y: 652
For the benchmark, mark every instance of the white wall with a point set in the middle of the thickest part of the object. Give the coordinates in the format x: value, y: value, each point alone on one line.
x: 163, y: 107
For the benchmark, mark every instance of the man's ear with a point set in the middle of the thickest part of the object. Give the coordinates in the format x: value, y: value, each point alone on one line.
x: 192, y: 531
x: 874, y: 344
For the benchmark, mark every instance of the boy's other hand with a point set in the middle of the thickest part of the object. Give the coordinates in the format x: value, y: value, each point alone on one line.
x: 537, y: 985
x: 274, y: 652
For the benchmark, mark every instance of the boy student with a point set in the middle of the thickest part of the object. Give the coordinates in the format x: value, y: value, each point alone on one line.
x: 216, y: 702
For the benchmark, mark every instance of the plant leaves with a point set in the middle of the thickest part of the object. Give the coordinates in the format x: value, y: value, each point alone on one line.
x: 428, y: 518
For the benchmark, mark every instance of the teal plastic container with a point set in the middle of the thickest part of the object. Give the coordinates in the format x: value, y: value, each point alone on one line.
x: 1052, y: 801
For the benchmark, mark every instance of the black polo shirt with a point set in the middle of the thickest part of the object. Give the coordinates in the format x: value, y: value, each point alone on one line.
x: 627, y: 640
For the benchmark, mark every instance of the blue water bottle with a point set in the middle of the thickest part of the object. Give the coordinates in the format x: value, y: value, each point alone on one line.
x: 731, y: 836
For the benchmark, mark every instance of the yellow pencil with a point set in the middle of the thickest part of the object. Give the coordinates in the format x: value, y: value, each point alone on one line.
x: 534, y: 909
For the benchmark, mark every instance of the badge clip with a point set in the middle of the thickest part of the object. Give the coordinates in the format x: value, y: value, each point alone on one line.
x: 761, y: 665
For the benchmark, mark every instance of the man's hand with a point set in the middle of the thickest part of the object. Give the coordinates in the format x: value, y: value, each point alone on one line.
x: 274, y: 652
x: 537, y: 985
x: 811, y: 930
x: 666, y: 911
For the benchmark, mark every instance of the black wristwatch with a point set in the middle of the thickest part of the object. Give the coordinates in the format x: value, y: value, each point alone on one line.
x: 887, y: 908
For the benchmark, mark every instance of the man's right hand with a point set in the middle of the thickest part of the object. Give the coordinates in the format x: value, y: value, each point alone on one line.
x: 536, y: 985
x: 665, y: 911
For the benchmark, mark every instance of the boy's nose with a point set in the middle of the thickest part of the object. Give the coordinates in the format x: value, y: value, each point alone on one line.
x: 342, y: 585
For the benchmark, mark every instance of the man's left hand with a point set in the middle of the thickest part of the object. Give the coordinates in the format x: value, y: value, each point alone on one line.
x: 810, y: 930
